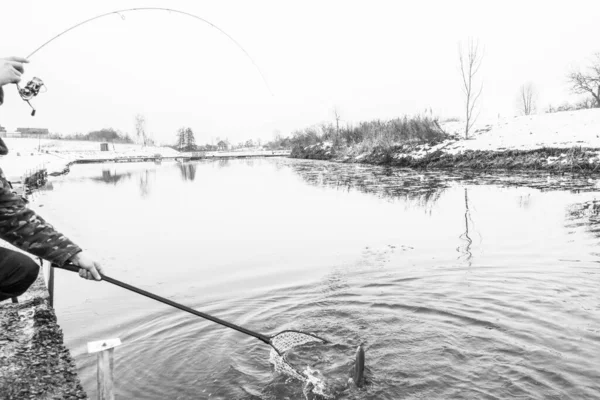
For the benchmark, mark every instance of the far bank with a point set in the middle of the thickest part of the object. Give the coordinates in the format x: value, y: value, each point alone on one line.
x: 559, y: 142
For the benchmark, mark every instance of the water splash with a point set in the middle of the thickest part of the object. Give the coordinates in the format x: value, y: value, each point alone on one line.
x: 314, y: 381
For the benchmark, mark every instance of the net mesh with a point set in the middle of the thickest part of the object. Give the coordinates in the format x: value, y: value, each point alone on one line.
x: 282, y: 366
x: 288, y: 339
x: 313, y: 380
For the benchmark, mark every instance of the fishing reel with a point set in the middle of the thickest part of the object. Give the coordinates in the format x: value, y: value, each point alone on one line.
x: 31, y: 90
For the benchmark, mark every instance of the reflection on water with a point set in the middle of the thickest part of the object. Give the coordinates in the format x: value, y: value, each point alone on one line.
x: 465, y: 249
x: 525, y: 201
x: 188, y: 171
x: 492, y: 292
x: 223, y: 163
x: 48, y: 186
x: 587, y: 211
x: 145, y: 179
x: 421, y: 189
x: 586, y: 214
x: 110, y: 176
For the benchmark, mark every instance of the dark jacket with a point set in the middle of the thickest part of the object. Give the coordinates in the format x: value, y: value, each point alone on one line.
x: 26, y: 230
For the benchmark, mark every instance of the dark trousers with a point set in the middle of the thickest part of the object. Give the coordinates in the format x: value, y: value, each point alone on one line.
x: 17, y: 273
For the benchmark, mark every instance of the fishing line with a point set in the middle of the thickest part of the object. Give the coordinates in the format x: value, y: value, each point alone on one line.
x: 30, y: 90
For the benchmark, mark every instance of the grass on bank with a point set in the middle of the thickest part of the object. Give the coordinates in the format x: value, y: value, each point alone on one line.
x: 371, y: 135
x: 561, y: 160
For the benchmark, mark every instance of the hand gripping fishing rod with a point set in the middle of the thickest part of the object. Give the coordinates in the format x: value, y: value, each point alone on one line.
x: 33, y: 87
x: 280, y: 342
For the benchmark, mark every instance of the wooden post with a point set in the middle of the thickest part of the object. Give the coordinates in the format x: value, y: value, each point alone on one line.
x: 105, y: 350
x: 51, y: 285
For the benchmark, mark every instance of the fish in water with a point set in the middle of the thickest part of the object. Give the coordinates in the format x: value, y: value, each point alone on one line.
x: 317, y: 387
x: 359, y: 367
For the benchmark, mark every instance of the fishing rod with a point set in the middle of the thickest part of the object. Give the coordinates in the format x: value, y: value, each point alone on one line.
x: 34, y: 86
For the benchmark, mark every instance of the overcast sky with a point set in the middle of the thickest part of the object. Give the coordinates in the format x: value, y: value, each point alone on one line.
x: 368, y: 59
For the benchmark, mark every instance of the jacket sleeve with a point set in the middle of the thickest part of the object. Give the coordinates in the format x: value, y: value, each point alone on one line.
x: 24, y: 229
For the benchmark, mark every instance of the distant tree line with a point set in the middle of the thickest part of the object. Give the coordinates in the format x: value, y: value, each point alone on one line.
x: 186, y: 140
x: 279, y: 143
x: 583, y: 104
x: 586, y: 83
x: 102, y: 135
x: 384, y: 134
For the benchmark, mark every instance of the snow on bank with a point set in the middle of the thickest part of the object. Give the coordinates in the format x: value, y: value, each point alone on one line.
x: 54, y: 155
x: 560, y: 130
x: 248, y: 153
x: 554, y: 142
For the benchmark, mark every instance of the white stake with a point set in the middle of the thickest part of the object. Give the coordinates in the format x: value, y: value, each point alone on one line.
x: 105, y: 350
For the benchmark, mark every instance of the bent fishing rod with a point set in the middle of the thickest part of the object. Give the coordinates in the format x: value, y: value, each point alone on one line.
x: 34, y: 86
x: 280, y: 342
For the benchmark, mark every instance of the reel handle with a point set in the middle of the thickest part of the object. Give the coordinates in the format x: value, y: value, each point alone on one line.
x: 31, y: 90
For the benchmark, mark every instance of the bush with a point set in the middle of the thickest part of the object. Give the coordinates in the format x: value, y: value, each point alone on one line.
x: 102, y: 135
x: 372, y: 134
x: 581, y: 105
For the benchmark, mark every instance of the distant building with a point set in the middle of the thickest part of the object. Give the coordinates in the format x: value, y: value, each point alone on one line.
x: 32, y: 132
x: 25, y: 133
x: 2, y: 130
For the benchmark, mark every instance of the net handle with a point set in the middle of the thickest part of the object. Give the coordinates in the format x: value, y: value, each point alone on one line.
x: 259, y: 336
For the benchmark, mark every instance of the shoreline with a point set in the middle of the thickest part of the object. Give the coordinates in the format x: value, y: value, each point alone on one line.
x: 431, y: 157
x: 557, y: 143
x: 34, y: 361
x: 18, y: 166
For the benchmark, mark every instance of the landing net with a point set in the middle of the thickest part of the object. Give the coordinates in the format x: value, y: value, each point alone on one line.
x: 286, y: 340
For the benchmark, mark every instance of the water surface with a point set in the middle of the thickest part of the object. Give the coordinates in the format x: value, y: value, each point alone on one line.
x: 459, y: 285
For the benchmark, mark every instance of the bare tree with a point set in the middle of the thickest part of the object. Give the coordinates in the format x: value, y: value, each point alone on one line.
x: 336, y: 114
x: 470, y: 62
x: 140, y: 128
x: 584, y: 83
x: 338, y: 118
x: 527, y: 98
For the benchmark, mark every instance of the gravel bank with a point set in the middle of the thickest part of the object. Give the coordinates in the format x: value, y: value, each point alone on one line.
x: 34, y: 362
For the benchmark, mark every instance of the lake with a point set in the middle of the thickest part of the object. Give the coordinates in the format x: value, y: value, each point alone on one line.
x: 459, y: 285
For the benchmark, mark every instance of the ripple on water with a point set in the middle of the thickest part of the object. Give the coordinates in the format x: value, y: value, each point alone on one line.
x: 459, y: 286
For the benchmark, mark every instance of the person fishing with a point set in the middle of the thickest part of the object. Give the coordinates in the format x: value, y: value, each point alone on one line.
x: 23, y: 228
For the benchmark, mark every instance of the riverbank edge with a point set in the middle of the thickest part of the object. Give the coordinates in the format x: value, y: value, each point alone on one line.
x: 65, y: 168
x: 34, y: 361
x: 434, y: 156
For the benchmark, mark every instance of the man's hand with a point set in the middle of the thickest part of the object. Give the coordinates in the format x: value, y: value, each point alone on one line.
x: 88, y: 268
x: 11, y: 69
